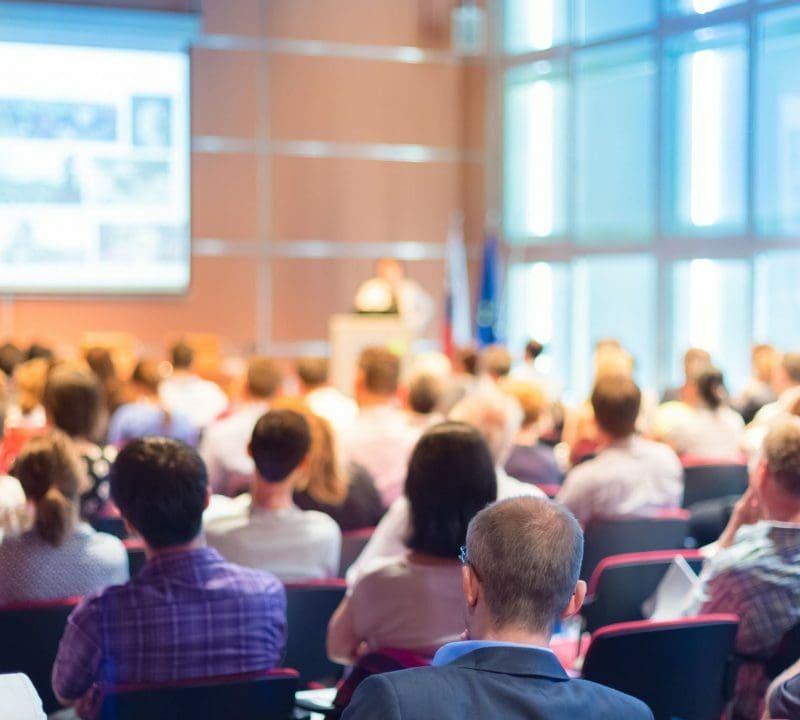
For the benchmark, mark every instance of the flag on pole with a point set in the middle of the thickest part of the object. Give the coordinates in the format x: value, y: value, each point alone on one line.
x: 487, y: 312
x: 456, y: 329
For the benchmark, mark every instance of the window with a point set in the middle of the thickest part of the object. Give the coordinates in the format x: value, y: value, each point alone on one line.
x: 600, y: 18
x: 535, y: 24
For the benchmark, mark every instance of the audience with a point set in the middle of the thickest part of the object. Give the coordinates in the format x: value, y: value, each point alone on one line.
x: 755, y: 572
x: 10, y: 357
x: 60, y: 556
x: 423, y: 396
x: 531, y: 460
x: 759, y: 390
x: 380, y: 439
x: 73, y: 403
x: 695, y: 360
x: 783, y: 696
x: 325, y: 400
x: 12, y: 496
x: 531, y: 370
x: 102, y: 365
x: 30, y: 378
x: 786, y: 383
x: 520, y: 577
x: 224, y: 444
x: 268, y: 531
x: 202, y: 401
x: 188, y: 613
x: 145, y: 414
x: 495, y: 362
x: 413, y: 600
x: 630, y: 476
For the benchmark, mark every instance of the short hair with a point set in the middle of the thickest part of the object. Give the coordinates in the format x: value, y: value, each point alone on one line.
x: 146, y: 373
x: 533, y: 348
x: 100, y: 361
x: 424, y: 393
x: 74, y: 399
x: 496, y: 361
x: 467, y: 357
x: 781, y: 453
x: 38, y: 351
x: 616, y: 400
x: 790, y: 362
x: 380, y: 369
x: 312, y: 371
x: 531, y: 398
x: 280, y: 441
x: 182, y: 355
x: 526, y: 552
x: 451, y: 477
x: 695, y: 360
x: 160, y: 487
x: 263, y: 377
x: 496, y: 416
x: 10, y: 357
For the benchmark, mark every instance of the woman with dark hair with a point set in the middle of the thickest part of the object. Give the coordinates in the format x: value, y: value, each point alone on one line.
x: 414, y: 601
x: 59, y: 556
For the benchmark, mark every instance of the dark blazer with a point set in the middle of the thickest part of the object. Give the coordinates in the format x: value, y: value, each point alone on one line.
x: 491, y: 683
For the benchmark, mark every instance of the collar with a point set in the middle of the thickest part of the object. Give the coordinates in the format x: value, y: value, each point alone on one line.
x: 503, y: 657
x: 176, y: 562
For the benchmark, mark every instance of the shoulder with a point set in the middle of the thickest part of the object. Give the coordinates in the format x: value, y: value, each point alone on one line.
x: 615, y: 703
x: 250, y: 581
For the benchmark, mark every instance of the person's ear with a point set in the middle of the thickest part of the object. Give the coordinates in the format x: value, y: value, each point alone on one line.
x: 759, y: 476
x: 471, y: 585
x: 576, y: 601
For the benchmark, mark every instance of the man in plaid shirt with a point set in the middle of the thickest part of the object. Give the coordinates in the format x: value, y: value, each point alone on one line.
x: 755, y: 572
x: 188, y: 613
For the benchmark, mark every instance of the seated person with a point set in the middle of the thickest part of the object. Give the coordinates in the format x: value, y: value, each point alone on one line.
x: 188, y: 613
x: 520, y: 577
x: 531, y: 460
x: 630, y: 476
x: 755, y: 572
x: 324, y: 400
x: 144, y: 415
x: 60, y: 556
x: 423, y: 395
x: 413, y: 600
x: 270, y: 532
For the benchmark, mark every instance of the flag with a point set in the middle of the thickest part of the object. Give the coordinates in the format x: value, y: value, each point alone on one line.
x: 456, y: 330
x: 486, y: 315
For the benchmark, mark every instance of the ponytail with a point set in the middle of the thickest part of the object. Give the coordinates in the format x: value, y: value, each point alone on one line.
x: 54, y: 517
x: 711, y: 387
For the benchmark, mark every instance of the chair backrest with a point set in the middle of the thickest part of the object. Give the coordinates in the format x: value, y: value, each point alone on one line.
x: 267, y: 695
x: 620, y: 584
x: 111, y: 524
x: 707, y: 482
x: 617, y: 536
x: 353, y: 542
x: 679, y: 668
x: 136, y: 556
x: 309, y: 607
x: 30, y: 635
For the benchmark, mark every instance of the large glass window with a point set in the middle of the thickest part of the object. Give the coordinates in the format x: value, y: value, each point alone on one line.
x: 777, y: 298
x: 535, y: 24
x: 601, y: 18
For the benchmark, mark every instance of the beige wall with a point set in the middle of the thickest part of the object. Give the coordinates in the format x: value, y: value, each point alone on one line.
x: 284, y: 230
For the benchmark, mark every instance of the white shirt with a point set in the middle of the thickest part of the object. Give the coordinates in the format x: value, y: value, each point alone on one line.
x: 224, y: 449
x: 200, y: 400
x: 768, y: 416
x: 19, y: 698
x: 12, y: 506
x: 388, y: 540
x: 632, y: 477
x: 381, y: 440
x: 87, y: 561
x: 708, y: 433
x: 333, y: 405
x: 293, y: 544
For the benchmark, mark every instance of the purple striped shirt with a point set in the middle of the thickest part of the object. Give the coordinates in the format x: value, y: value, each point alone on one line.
x: 191, y: 614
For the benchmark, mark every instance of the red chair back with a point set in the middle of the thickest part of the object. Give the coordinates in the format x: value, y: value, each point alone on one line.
x: 353, y: 542
x: 620, y: 584
x: 709, y: 482
x: 616, y: 536
x: 679, y: 668
x: 309, y: 607
x: 263, y: 695
x: 30, y: 635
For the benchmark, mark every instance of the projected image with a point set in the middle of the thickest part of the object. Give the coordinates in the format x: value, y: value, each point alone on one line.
x: 94, y: 170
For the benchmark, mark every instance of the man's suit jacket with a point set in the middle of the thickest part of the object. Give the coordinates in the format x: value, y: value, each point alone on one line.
x: 507, y: 683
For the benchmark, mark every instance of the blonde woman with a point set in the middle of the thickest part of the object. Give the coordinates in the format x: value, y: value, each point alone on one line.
x: 60, y: 556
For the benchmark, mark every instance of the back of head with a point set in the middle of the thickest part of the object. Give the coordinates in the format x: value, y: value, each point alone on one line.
x: 496, y: 416
x: 695, y: 360
x: 181, y: 356
x: 10, y: 357
x: 53, y: 477
x: 711, y: 387
x: 616, y: 400
x: 147, y: 375
x: 764, y: 358
x: 611, y: 360
x: 30, y: 378
x: 380, y: 371
x: 496, y: 361
x: 533, y: 348
x: 100, y: 361
x: 424, y: 393
x: 466, y: 360
x: 526, y: 553
x: 263, y: 377
x: 312, y: 371
x: 781, y: 453
x: 450, y: 477
x: 790, y: 362
x: 531, y: 399
x: 160, y: 487
x: 280, y: 441
x: 39, y: 351
x: 73, y: 398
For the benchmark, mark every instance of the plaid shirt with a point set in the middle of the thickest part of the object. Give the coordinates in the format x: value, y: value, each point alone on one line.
x: 188, y: 614
x: 758, y: 579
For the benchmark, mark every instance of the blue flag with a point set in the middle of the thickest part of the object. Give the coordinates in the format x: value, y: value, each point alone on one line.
x: 487, y: 312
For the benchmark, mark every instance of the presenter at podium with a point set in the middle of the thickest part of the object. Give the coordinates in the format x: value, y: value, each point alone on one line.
x: 390, y: 292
